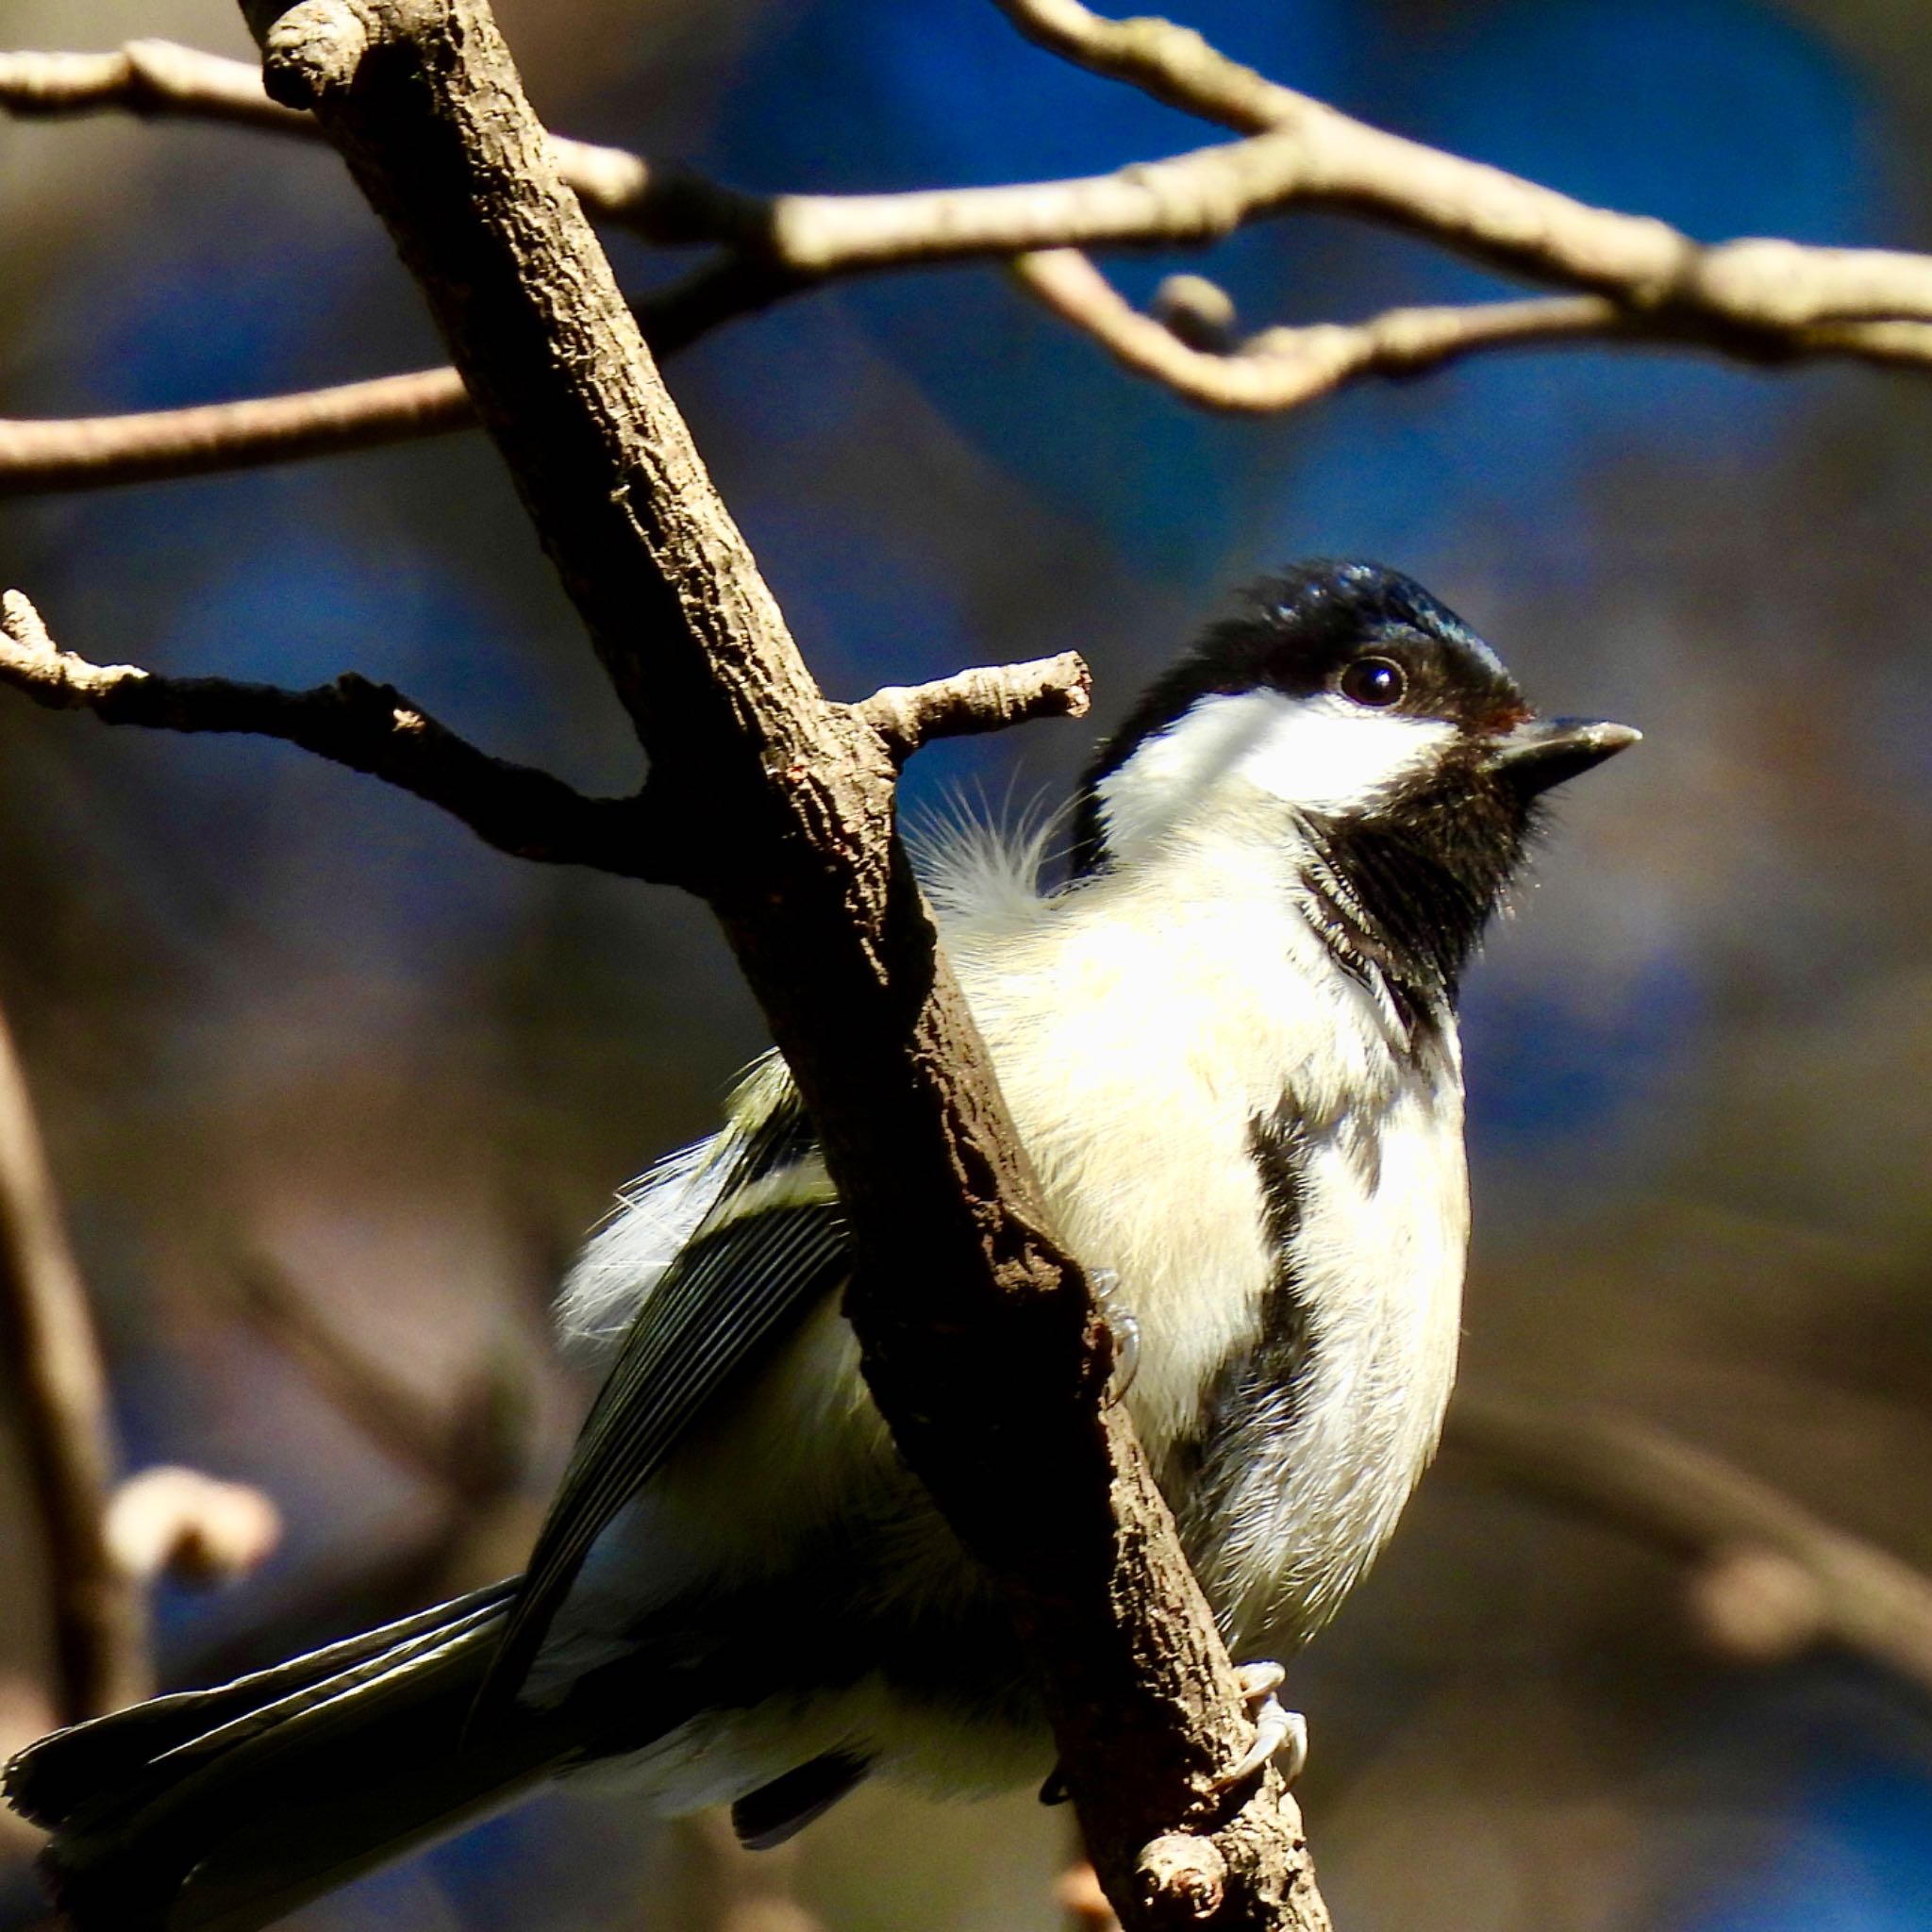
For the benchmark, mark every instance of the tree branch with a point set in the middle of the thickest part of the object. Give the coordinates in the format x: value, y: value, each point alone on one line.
x: 426, y: 106
x: 1769, y: 1577
x: 90, y: 452
x: 1282, y: 368
x: 1761, y: 301
x: 144, y: 77
x: 1320, y: 158
x: 101, y: 452
x: 1173, y: 63
x: 970, y: 702
x: 173, y: 1521
x: 369, y: 728
x: 100, y: 1625
x: 375, y: 729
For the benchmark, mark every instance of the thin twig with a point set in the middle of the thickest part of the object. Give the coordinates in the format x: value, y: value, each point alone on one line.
x: 100, y: 1631
x: 1173, y: 63
x: 144, y: 77
x: 368, y: 727
x: 373, y: 729
x: 155, y: 78
x: 1326, y: 158
x: 987, y: 699
x: 1831, y: 1586
x: 1286, y: 366
x: 1300, y: 151
x: 85, y: 452
x: 103, y: 452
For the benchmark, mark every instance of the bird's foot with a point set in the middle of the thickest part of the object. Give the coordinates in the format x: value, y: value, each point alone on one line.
x: 1278, y: 1732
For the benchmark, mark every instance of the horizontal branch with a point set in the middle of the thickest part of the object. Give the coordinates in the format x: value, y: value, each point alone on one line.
x: 1299, y: 152
x: 1279, y: 369
x: 375, y: 729
x: 369, y: 728
x: 1762, y: 1559
x: 155, y: 78
x: 145, y: 77
x: 1761, y: 301
x: 102, y: 452
x: 1284, y: 367
x: 987, y: 699
x: 88, y: 451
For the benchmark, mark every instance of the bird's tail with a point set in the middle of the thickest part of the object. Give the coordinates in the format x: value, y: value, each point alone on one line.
x: 220, y: 1810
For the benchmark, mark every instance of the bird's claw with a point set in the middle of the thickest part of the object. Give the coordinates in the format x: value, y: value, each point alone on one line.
x: 1278, y: 1732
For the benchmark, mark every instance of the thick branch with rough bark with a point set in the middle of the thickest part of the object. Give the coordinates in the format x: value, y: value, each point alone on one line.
x: 804, y: 866
x: 1633, y: 281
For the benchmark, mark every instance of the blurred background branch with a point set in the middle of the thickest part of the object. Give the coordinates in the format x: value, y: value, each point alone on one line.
x: 1766, y: 1580
x: 64, y: 1424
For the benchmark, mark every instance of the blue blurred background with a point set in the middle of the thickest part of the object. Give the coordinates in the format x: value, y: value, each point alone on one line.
x: 278, y: 1016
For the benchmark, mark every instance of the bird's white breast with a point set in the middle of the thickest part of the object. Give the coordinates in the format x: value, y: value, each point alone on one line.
x: 1142, y: 1025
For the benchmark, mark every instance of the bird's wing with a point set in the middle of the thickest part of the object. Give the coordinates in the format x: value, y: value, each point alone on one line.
x: 774, y: 1245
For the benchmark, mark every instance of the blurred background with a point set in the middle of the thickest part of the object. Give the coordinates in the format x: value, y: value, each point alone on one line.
x: 314, y: 1064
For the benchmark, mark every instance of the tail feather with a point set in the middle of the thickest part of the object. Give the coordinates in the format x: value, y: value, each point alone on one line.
x: 49, y: 1779
x: 221, y: 1810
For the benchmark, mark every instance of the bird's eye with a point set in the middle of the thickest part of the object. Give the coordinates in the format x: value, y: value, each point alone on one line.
x: 1374, y: 681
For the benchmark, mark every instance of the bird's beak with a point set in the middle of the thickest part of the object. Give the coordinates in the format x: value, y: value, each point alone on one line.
x: 1543, y: 752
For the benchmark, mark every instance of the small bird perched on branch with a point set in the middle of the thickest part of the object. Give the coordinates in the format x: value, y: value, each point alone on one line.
x: 1228, y: 1041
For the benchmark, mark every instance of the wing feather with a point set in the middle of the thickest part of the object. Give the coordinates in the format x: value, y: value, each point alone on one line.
x: 774, y: 1245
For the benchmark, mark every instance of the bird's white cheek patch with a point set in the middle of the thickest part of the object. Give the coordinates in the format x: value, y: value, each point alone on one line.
x: 1322, y: 753
x: 1331, y: 756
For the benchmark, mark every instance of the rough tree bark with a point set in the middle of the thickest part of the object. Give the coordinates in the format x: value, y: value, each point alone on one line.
x: 777, y: 807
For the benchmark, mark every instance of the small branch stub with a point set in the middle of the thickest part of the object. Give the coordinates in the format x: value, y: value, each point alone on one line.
x: 986, y: 699
x: 1183, y: 1879
x: 312, y: 48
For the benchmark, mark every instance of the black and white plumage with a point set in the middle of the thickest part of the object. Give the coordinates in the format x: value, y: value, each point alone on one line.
x: 1228, y: 1042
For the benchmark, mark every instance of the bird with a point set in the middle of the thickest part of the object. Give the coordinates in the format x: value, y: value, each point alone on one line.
x: 1225, y: 1031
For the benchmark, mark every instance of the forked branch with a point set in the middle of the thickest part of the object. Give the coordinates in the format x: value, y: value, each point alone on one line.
x: 373, y: 729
